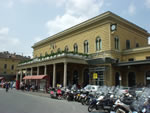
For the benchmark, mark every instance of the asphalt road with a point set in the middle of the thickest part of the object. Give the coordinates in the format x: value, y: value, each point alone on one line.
x: 19, y: 102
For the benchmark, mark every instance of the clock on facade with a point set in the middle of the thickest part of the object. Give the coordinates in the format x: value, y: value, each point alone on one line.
x: 113, y: 27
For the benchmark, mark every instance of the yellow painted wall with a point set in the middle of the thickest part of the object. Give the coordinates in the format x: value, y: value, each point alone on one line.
x: 9, y: 63
x: 136, y: 56
x: 79, y: 38
x: 124, y: 34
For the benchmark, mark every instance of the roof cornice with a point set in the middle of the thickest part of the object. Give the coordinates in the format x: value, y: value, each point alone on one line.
x: 89, y: 22
x: 136, y: 50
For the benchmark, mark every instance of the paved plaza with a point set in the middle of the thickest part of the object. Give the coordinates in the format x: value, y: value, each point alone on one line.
x: 30, y: 102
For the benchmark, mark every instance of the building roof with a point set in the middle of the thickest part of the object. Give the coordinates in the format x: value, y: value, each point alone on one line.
x: 89, y: 22
x: 8, y: 55
x: 129, y: 63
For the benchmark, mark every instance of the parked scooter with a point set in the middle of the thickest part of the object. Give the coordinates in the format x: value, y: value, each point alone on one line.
x: 53, y: 93
x: 94, y: 104
x: 59, y: 94
x: 124, y: 104
x: 146, y: 106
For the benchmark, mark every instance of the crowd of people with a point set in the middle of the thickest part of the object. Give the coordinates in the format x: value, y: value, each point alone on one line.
x: 6, y: 85
x: 28, y: 87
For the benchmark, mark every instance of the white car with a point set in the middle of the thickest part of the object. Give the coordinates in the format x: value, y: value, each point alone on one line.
x: 14, y: 85
x: 90, y: 88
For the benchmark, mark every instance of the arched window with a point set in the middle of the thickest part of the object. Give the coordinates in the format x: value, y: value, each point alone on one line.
x: 40, y: 54
x: 86, y: 46
x: 58, y: 50
x: 66, y: 48
x: 147, y: 78
x: 127, y: 44
x: 75, y: 48
x: 137, y: 45
x: 45, y: 53
x: 98, y: 44
x: 116, y: 40
x: 52, y: 52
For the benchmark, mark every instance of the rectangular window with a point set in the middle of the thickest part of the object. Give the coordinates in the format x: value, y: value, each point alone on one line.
x: 127, y: 44
x: 147, y: 57
x: 45, y: 53
x: 12, y: 67
x: 116, y: 40
x: 118, y: 60
x: 137, y: 45
x: 40, y: 54
x: 5, y: 66
x: 131, y: 59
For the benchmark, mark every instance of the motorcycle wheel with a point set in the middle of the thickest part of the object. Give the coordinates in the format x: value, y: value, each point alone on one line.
x: 91, y: 108
x: 82, y: 101
x: 120, y: 110
x: 59, y: 97
x: 87, y: 102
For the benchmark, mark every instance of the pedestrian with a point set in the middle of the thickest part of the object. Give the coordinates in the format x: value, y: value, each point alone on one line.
x: 7, y: 86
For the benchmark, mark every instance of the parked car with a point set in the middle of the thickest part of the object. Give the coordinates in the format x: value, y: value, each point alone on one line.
x: 14, y: 85
x: 123, y: 90
x: 139, y: 91
x: 90, y: 88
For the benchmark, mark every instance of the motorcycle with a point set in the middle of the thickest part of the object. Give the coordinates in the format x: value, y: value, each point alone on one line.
x: 94, y: 103
x: 59, y: 94
x: 53, y: 93
x: 146, y: 106
x: 124, y: 104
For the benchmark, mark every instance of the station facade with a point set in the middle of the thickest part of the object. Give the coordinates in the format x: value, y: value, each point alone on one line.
x: 104, y: 50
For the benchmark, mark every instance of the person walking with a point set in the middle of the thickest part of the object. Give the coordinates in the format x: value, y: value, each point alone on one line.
x: 7, y: 86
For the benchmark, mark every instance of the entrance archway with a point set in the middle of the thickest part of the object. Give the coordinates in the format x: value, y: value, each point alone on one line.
x: 148, y: 78
x: 75, y: 77
x: 131, y: 79
x: 86, y: 77
x: 117, y: 79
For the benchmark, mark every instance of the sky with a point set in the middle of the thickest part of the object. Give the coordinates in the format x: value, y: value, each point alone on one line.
x: 25, y: 22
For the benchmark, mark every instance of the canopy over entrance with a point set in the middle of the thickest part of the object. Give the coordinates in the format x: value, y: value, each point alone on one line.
x: 35, y: 77
x: 1, y: 78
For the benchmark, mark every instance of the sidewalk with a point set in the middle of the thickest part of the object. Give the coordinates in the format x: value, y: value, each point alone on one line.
x: 42, y: 94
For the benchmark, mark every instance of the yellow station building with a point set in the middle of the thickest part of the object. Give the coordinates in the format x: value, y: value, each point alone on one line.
x: 104, y: 50
x: 8, y: 65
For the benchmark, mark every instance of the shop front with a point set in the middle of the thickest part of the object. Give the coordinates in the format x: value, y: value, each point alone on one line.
x: 41, y: 81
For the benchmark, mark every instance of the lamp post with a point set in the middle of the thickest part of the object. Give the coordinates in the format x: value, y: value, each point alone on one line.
x: 120, y: 80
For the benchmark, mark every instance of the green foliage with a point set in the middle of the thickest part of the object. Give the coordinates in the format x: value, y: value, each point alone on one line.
x: 53, y: 54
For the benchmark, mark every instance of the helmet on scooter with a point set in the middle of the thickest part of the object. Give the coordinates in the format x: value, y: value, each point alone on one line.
x: 148, y: 99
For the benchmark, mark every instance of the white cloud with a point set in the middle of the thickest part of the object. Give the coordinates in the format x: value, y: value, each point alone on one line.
x: 7, y: 42
x: 147, y: 3
x: 10, y: 4
x: 149, y: 40
x: 76, y: 11
x: 37, y: 39
x: 132, y: 9
x: 28, y: 1
x: 63, y: 22
x: 7, y: 3
x: 4, y: 31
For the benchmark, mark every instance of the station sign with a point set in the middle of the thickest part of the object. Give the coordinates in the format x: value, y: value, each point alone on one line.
x: 95, y: 75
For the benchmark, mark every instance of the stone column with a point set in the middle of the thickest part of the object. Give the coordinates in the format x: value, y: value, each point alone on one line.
x: 31, y: 71
x: 25, y: 75
x: 54, y: 75
x: 36, y: 81
x: 65, y: 74
x: 26, y: 72
x: 45, y: 70
x: 38, y: 70
x: 17, y: 78
x: 21, y: 76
